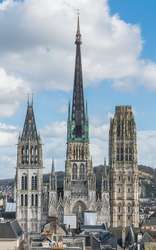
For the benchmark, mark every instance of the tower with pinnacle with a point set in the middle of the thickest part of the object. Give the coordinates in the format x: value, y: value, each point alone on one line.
x: 29, y: 175
x: 79, y: 181
x: 124, y: 177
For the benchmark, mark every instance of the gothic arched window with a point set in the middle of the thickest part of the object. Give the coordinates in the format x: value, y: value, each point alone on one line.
x: 32, y: 154
x: 119, y: 208
x: 36, y: 154
x: 34, y: 182
x: 27, y: 153
x: 22, y: 200
x: 22, y: 155
x: 24, y: 182
x: 36, y: 200
x: 82, y: 172
x: 32, y: 200
x: 26, y: 200
x: 129, y: 208
x: 74, y: 172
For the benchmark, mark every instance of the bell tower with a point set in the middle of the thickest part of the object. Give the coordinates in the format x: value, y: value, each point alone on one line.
x: 124, y: 176
x: 29, y: 175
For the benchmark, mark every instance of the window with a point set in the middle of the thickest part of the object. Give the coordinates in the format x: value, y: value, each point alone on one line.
x: 74, y: 172
x: 129, y: 208
x: 82, y: 172
x: 36, y: 200
x: 22, y: 200
x: 22, y: 154
x: 26, y: 200
x: 36, y: 154
x: 119, y: 190
x: 24, y: 182
x: 32, y: 200
x: 34, y: 182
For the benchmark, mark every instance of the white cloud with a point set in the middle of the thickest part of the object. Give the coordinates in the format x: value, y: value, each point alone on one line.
x: 37, y: 44
x: 12, y: 91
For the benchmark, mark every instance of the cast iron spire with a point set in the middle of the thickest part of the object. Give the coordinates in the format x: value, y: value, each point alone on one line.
x: 78, y: 107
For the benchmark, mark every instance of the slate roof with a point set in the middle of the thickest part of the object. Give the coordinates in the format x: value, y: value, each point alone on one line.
x: 10, y: 230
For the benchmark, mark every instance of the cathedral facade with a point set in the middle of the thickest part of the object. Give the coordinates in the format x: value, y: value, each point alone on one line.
x: 36, y: 204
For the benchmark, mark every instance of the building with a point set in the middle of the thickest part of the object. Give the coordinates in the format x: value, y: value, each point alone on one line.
x: 79, y: 181
x: 37, y: 203
x: 29, y: 175
x: 124, y: 177
x: 11, y: 236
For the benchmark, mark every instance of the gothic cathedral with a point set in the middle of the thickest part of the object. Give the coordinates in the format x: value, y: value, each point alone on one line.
x: 117, y: 203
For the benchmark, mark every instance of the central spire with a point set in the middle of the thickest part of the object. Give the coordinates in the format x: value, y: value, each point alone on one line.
x: 78, y: 108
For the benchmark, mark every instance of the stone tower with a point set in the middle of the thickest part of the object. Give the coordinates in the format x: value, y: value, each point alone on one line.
x: 79, y: 182
x: 123, y: 169
x: 29, y: 175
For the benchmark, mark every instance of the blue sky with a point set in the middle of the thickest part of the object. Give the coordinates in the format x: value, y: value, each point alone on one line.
x: 119, y: 68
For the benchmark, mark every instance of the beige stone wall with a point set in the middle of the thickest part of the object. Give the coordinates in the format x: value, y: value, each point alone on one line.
x: 9, y: 245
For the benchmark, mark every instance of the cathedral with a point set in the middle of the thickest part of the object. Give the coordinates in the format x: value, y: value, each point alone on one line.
x: 36, y: 203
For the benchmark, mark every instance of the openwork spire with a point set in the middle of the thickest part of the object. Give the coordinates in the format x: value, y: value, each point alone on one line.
x: 78, y: 108
x: 29, y: 129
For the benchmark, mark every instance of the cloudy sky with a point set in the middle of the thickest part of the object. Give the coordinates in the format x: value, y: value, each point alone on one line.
x: 37, y: 54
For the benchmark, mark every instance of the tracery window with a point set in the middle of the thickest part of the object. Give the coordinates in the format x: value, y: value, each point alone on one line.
x: 22, y: 200
x: 82, y: 171
x: 36, y: 200
x: 74, y: 172
x: 26, y: 200
x: 24, y: 182
x: 32, y: 200
x: 34, y: 182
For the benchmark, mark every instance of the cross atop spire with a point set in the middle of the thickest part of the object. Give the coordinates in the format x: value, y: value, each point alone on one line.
x: 78, y: 34
x: 29, y: 129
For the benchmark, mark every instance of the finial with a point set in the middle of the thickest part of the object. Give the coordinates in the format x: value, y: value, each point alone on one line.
x: 78, y: 21
x: 78, y: 34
